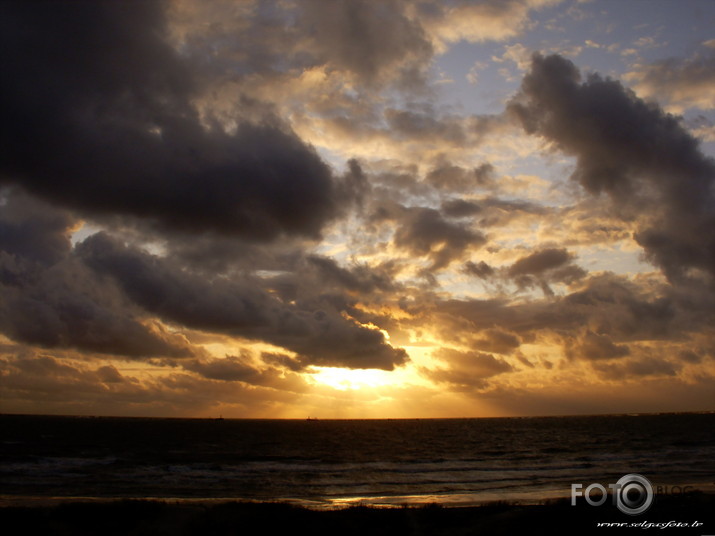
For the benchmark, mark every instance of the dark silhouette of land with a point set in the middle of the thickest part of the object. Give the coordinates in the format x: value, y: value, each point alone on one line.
x: 157, y: 518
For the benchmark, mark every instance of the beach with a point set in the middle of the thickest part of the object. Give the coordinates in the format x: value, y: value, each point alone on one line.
x: 668, y: 515
x: 68, y: 475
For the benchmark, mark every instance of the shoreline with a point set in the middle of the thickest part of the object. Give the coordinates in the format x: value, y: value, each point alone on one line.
x: 449, y: 500
x: 19, y: 501
x: 150, y: 516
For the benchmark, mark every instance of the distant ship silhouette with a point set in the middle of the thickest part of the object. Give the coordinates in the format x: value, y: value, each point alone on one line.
x: 312, y: 419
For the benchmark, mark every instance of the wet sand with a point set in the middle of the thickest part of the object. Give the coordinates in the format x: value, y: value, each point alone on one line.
x: 146, y: 517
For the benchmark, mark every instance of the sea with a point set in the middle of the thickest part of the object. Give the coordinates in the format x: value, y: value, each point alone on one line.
x: 331, y: 463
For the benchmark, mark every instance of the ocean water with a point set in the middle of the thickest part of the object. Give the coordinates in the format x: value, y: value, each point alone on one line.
x: 333, y: 462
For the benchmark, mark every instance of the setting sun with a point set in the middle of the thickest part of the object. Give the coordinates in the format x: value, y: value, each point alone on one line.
x: 352, y: 379
x: 272, y: 209
x: 355, y: 252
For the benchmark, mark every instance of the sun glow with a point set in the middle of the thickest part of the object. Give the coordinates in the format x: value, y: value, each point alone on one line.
x: 345, y: 379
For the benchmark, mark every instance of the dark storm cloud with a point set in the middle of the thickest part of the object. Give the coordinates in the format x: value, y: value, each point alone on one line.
x: 241, y: 369
x: 497, y: 341
x: 459, y: 208
x: 282, y: 361
x: 423, y: 231
x: 538, y: 269
x: 355, y: 184
x: 239, y: 307
x: 594, y: 346
x: 50, y: 378
x: 467, y: 370
x: 689, y: 357
x: 49, y: 299
x: 63, y: 309
x: 362, y: 279
x: 172, y: 293
x: 484, y: 174
x: 636, y: 368
x: 598, y: 322
x: 375, y: 41
x: 28, y: 230
x: 498, y: 212
x: 450, y: 177
x: 540, y: 261
x: 32, y: 379
x: 480, y: 269
x: 551, y: 265
x: 376, y: 44
x: 396, y: 184
x: 97, y: 115
x: 631, y: 150
x: 618, y: 307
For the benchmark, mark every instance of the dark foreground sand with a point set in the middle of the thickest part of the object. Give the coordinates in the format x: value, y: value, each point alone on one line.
x: 138, y: 517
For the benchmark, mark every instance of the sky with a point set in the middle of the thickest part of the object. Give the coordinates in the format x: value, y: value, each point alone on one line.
x: 357, y: 209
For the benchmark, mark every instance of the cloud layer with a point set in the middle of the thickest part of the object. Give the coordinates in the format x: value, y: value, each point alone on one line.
x: 101, y: 119
x: 632, y: 151
x: 285, y: 208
